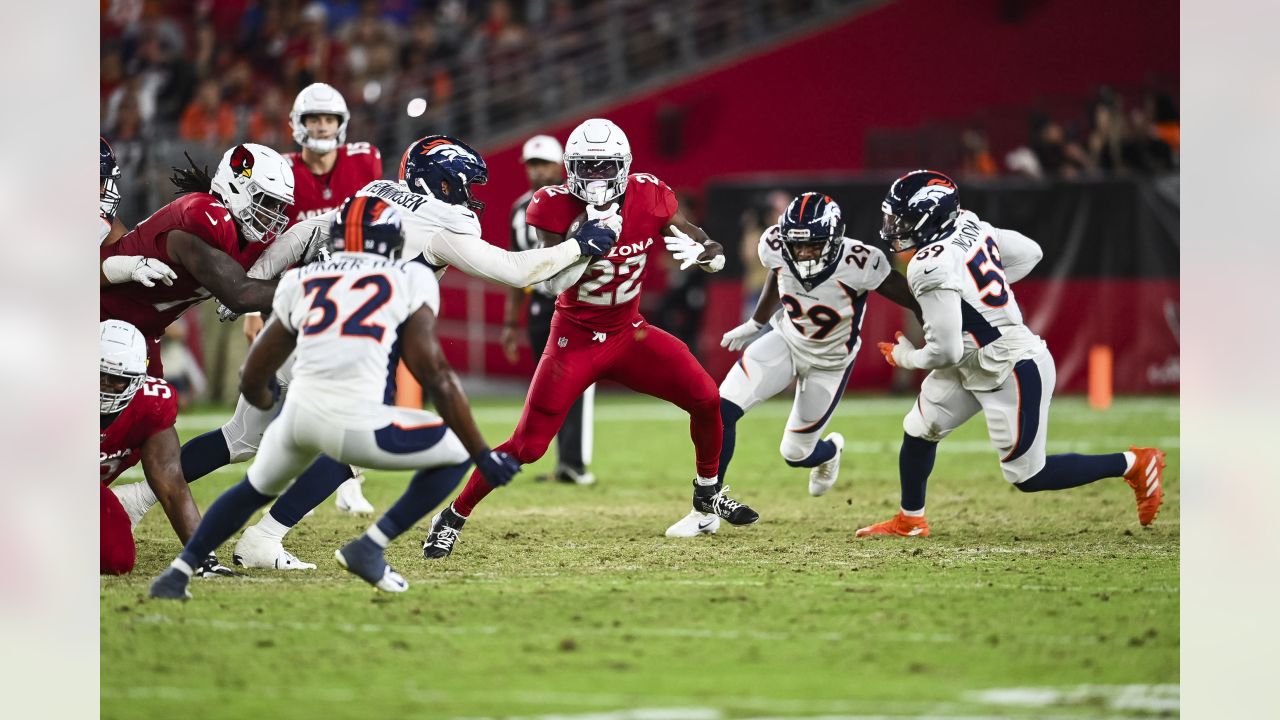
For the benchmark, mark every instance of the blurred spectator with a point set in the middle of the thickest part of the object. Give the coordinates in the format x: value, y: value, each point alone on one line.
x: 1057, y: 156
x: 268, y: 122
x: 977, y: 160
x: 311, y: 55
x: 1164, y: 116
x: 208, y: 119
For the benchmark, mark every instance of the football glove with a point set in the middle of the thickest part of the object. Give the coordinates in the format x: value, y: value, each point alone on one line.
x: 497, y: 467
x: 212, y: 566
x: 896, y: 353
x: 608, y: 217
x: 226, y: 314
x: 687, y: 251
x: 741, y: 336
x: 137, y: 268
x: 595, y: 239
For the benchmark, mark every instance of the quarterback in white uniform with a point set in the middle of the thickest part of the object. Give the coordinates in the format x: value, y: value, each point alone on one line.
x: 821, y: 278
x: 350, y: 318
x: 981, y: 356
x: 441, y: 227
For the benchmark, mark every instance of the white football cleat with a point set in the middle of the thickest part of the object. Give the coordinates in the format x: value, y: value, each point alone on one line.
x: 695, y: 524
x: 256, y: 549
x: 569, y: 475
x: 136, y: 498
x: 824, y: 476
x: 350, y: 498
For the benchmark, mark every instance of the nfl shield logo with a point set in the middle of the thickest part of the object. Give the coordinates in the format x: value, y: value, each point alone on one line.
x: 562, y: 341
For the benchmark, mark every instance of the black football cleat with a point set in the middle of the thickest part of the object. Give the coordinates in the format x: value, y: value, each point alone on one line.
x: 714, y: 500
x: 445, y: 528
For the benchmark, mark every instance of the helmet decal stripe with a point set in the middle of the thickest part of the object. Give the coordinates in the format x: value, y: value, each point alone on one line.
x: 353, y: 239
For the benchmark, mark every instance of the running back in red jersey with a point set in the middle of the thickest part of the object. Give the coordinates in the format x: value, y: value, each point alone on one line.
x: 358, y: 164
x: 608, y: 295
x: 151, y: 310
x: 153, y: 409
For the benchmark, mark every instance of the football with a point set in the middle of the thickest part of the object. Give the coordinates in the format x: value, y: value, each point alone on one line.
x: 576, y: 224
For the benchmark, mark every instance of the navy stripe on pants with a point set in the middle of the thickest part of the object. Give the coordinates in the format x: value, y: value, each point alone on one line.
x: 1030, y: 394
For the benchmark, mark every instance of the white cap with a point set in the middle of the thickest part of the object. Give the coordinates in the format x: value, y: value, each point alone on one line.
x: 542, y: 147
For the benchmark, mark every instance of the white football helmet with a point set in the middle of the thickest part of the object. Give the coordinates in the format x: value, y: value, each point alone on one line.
x: 256, y: 185
x: 319, y: 99
x: 123, y: 354
x: 597, y: 159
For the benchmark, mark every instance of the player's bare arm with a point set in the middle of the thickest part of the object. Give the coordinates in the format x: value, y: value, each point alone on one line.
x: 691, y: 245
x: 425, y: 359
x: 896, y: 289
x: 162, y: 466
x: 769, y: 298
x: 221, y: 275
x: 266, y: 356
x: 511, y: 324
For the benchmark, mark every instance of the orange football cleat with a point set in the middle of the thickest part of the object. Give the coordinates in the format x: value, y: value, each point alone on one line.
x: 1146, y: 477
x: 900, y: 524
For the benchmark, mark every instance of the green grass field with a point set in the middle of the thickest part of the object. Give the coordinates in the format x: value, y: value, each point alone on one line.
x: 568, y: 601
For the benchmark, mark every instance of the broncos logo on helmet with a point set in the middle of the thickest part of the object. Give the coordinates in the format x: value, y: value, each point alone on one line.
x: 921, y: 207
x: 446, y: 168
x: 241, y: 162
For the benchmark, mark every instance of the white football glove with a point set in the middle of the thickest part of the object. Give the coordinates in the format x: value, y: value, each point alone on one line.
x: 137, y: 268
x: 741, y: 336
x: 608, y: 217
x: 687, y: 250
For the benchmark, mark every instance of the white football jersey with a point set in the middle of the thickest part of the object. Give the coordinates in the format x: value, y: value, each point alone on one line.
x: 823, y: 326
x: 427, y: 220
x: 346, y: 312
x: 972, y: 261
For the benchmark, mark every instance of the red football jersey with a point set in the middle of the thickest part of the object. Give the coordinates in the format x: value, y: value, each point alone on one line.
x: 358, y: 165
x: 608, y: 295
x: 152, y: 410
x: 151, y: 310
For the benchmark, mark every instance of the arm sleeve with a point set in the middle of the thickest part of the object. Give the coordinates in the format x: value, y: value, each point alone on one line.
x: 473, y: 256
x: 300, y: 243
x: 943, y: 342
x: 1018, y: 253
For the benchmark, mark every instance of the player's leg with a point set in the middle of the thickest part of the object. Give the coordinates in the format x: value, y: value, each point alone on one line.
x: 281, y: 458
x: 117, y: 552
x: 562, y: 375
x: 1018, y: 424
x: 654, y: 362
x: 817, y: 395
x: 942, y: 406
x: 236, y: 441
x: 262, y: 544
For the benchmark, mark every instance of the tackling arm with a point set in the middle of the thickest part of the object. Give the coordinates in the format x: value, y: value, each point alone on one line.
x: 222, y: 276
x: 943, y: 341
x: 425, y: 359
x: 473, y: 256
x: 163, y: 469
x: 300, y: 243
x: 266, y: 355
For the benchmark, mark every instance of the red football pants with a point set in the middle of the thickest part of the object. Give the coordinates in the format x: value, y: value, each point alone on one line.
x: 641, y: 357
x: 116, y: 542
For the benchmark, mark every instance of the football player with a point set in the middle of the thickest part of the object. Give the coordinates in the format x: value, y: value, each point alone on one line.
x: 981, y: 356
x: 327, y: 170
x: 543, y: 160
x: 137, y: 415
x: 822, y: 279
x: 121, y: 268
x: 349, y: 318
x: 597, y: 331
x: 434, y: 200
x: 209, y: 237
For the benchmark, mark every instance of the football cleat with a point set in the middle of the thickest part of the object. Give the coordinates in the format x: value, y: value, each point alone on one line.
x: 824, y: 476
x: 1146, y: 477
x: 171, y: 585
x: 706, y: 499
x: 350, y: 498
x: 363, y: 558
x: 255, y: 549
x: 569, y: 475
x: 136, y: 498
x: 694, y: 524
x: 445, y: 528
x: 902, y: 525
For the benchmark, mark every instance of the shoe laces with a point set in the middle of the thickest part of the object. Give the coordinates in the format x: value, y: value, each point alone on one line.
x: 445, y: 537
x: 723, y: 503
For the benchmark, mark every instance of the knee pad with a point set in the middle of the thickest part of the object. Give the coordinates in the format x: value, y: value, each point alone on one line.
x: 915, y: 425
x: 796, y: 447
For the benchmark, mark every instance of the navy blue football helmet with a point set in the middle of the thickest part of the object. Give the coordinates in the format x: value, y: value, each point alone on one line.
x: 921, y: 207
x: 109, y: 177
x: 446, y: 168
x: 369, y: 225
x: 812, y: 234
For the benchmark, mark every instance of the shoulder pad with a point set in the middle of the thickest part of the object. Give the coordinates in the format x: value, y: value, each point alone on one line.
x: 770, y: 247
x: 934, y: 267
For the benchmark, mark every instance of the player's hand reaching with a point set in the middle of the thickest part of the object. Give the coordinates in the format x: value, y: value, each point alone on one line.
x: 595, y: 239
x: 741, y: 336
x: 895, y: 353
x: 137, y: 268
x: 689, y: 251
x: 496, y: 466
x: 212, y: 566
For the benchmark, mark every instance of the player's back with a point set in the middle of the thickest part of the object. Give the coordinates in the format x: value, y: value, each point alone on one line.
x: 153, y: 309
x: 608, y: 295
x: 347, y: 312
x: 357, y: 165
x: 427, y: 220
x: 154, y: 408
x: 823, y: 324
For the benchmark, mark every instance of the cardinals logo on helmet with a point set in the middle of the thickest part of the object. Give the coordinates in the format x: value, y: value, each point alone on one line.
x: 241, y: 162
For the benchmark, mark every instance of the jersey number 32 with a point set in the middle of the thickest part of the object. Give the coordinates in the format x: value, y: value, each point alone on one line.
x: 325, y: 311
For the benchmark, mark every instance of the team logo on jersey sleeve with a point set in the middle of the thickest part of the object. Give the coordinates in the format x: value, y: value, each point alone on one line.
x: 241, y: 161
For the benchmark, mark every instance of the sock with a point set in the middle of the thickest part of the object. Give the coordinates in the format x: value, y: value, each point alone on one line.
x: 705, y: 481
x: 824, y: 451
x: 224, y: 517
x: 1129, y: 460
x: 182, y: 567
x: 914, y: 513
x: 273, y: 528
x: 915, y: 463
x: 428, y: 489
x: 377, y: 537
x: 316, y: 483
x: 1071, y: 470
x: 203, y: 454
x: 730, y: 414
